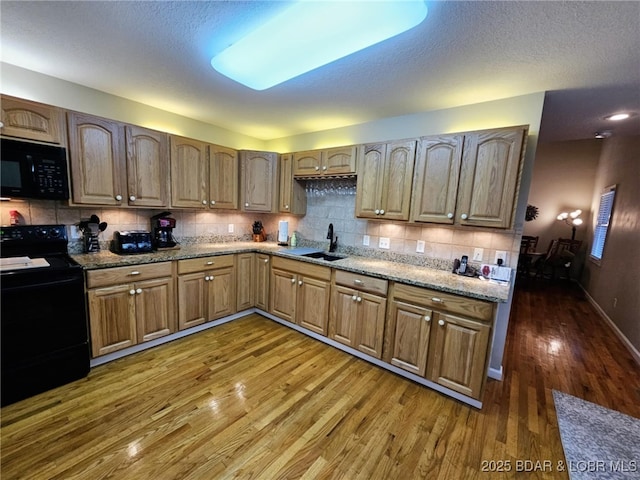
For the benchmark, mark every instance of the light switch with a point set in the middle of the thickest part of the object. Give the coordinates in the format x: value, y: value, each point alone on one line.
x: 231, y: 228
x: 477, y: 254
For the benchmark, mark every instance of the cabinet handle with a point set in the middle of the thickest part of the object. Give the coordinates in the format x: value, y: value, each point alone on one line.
x: 139, y: 291
x: 449, y: 215
x: 135, y: 272
x: 358, y: 282
x: 118, y: 197
x: 132, y: 292
x: 441, y: 323
x: 213, y: 202
x: 299, y: 282
x: 427, y: 318
x: 132, y: 198
x: 464, y: 216
x: 437, y: 300
x: 209, y: 263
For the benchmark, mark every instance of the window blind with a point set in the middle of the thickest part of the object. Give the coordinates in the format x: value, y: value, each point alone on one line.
x: 602, y: 222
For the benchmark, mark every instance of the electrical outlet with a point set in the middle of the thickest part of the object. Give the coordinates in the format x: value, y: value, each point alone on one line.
x: 500, y: 254
x: 384, y: 243
x: 231, y: 228
x: 420, y: 246
x: 477, y: 254
x: 365, y: 240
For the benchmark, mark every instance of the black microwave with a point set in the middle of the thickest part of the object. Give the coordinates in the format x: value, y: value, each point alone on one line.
x: 33, y: 170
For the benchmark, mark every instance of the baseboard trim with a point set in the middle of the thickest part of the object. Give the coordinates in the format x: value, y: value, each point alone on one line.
x: 495, y: 373
x: 632, y: 349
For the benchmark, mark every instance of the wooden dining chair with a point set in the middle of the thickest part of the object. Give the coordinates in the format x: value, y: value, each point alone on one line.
x: 560, y: 255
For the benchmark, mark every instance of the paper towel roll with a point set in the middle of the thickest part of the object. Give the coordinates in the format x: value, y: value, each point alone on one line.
x: 283, y: 231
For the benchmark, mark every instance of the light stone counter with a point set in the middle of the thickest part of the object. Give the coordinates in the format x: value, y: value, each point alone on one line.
x: 420, y: 276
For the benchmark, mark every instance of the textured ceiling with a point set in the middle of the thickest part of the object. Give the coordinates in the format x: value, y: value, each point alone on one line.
x: 586, y: 55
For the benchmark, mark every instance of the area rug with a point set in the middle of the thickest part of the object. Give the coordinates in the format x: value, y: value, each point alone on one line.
x: 598, y: 443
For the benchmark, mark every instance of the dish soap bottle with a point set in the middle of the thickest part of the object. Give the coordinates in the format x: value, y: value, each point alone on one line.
x: 294, y: 239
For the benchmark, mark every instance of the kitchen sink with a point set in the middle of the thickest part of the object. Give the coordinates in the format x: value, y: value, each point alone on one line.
x: 323, y: 256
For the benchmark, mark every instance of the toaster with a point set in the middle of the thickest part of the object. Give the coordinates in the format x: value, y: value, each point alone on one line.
x: 132, y: 241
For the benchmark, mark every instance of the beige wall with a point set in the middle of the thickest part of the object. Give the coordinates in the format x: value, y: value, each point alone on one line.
x: 618, y: 275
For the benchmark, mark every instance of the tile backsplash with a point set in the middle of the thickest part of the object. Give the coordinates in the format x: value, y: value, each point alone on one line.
x: 442, y: 243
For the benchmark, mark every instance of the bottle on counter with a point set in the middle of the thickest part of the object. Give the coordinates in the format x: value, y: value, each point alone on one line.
x: 294, y: 239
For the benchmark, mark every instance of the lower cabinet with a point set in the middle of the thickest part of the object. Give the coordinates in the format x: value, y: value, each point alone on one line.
x: 206, y: 289
x: 246, y: 281
x: 439, y: 336
x: 357, y: 316
x: 300, y: 293
x: 262, y: 280
x: 130, y: 305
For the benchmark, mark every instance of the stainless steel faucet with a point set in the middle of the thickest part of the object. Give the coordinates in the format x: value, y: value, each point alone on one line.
x: 333, y: 244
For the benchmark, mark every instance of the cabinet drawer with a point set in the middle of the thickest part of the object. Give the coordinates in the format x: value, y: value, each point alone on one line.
x: 131, y: 273
x: 362, y: 282
x: 204, y: 263
x: 445, y: 302
x: 302, y: 268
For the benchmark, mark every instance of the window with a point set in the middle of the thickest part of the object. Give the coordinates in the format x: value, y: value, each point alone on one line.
x: 602, y: 222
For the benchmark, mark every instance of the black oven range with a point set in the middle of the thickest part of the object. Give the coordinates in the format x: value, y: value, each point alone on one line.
x: 43, y: 319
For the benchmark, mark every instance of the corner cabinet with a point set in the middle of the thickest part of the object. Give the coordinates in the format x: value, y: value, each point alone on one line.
x: 188, y: 173
x: 31, y: 120
x: 385, y: 174
x: 258, y: 181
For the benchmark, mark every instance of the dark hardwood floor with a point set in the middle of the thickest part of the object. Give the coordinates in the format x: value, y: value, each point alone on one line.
x: 254, y: 399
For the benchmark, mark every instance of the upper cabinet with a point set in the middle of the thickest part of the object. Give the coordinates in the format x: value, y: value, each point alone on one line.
x: 147, y: 167
x: 469, y: 179
x: 258, y: 181
x: 332, y: 161
x: 32, y: 121
x: 292, y: 196
x: 223, y: 177
x: 385, y: 174
x: 97, y: 158
x: 188, y: 173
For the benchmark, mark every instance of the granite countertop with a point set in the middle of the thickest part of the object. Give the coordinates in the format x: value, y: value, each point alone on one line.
x: 420, y: 276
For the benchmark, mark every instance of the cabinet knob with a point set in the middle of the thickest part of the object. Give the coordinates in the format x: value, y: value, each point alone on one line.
x: 246, y: 204
x: 441, y: 323
x: 324, y: 168
x: 286, y: 207
x: 354, y: 298
x: 299, y: 282
x: 132, y: 198
x: 449, y: 215
x: 464, y: 216
x: 204, y: 202
x: 317, y: 168
x: 132, y: 292
x: 213, y: 202
x: 377, y: 212
x: 139, y: 291
x: 119, y: 198
x: 293, y: 280
x: 207, y: 278
x: 359, y: 299
x: 266, y: 260
x: 381, y: 212
x: 427, y: 318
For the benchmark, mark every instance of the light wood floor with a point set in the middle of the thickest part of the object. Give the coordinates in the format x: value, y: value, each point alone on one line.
x: 254, y: 399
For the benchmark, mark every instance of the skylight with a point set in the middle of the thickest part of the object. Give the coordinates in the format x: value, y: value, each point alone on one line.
x: 311, y: 34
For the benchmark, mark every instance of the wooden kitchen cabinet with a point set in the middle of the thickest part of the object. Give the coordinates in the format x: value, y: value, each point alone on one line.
x: 130, y: 305
x: 440, y: 336
x: 263, y: 277
x: 292, y: 195
x: 32, y: 121
x: 385, y: 175
x: 300, y: 293
x: 97, y: 159
x: 206, y: 289
x: 188, y: 173
x: 332, y: 161
x: 246, y: 280
x: 147, y: 167
x: 223, y: 178
x: 258, y: 181
x: 358, y: 308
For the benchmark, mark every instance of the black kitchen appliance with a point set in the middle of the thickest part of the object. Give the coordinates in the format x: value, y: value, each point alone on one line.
x: 163, y: 226
x: 44, y: 335
x: 33, y: 170
x: 132, y: 241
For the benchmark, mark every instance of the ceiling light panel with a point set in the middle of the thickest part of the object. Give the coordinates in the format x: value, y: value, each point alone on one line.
x: 311, y: 34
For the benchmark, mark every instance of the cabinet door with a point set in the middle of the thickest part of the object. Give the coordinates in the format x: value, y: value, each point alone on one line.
x: 192, y: 300
x: 437, y: 171
x: 112, y: 314
x: 97, y: 158
x: 292, y: 195
x: 263, y: 274
x: 147, y: 167
x: 258, y: 181
x: 398, y: 177
x: 339, y: 161
x: 188, y: 173
x: 155, y: 308
x: 223, y: 177
x: 369, y: 183
x: 307, y: 164
x: 312, y: 310
x: 344, y: 314
x: 458, y: 357
x: 409, y: 335
x: 221, y: 293
x: 282, y: 301
x: 31, y: 121
x: 370, y: 324
x: 246, y: 280
x: 489, y: 177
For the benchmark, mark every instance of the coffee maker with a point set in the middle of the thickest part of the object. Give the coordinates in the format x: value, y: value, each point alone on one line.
x: 163, y: 226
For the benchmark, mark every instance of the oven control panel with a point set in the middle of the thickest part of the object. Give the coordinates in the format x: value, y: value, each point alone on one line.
x: 33, y: 233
